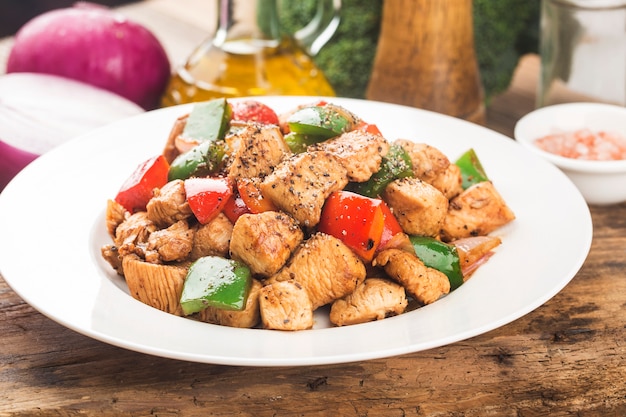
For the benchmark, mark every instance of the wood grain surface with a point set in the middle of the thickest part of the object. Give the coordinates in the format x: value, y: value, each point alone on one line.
x: 418, y: 64
x: 566, y: 358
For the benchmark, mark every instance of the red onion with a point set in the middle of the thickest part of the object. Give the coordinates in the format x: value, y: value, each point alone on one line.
x: 95, y: 45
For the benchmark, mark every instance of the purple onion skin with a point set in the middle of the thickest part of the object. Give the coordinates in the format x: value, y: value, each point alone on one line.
x: 12, y: 161
x: 97, y: 46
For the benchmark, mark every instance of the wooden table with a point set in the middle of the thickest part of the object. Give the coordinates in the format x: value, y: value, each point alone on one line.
x: 566, y: 358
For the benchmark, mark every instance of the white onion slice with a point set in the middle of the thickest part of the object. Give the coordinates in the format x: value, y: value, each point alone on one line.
x: 39, y: 112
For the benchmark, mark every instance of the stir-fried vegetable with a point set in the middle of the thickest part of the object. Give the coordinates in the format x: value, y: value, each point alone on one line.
x: 137, y: 190
x: 440, y: 256
x: 207, y: 196
x: 203, y: 159
x: 306, y: 228
x: 356, y: 220
x: 216, y: 282
x: 396, y: 164
x: 472, y: 171
x: 322, y: 122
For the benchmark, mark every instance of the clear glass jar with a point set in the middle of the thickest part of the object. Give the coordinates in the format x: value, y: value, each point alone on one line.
x: 583, y: 52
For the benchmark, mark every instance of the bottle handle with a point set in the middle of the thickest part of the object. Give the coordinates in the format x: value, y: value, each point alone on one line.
x: 321, y: 28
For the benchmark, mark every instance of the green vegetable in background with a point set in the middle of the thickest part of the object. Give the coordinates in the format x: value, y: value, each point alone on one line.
x: 347, y: 59
x: 503, y: 31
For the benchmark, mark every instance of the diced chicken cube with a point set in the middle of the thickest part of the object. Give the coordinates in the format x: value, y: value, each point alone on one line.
x: 477, y: 211
x: 359, y: 152
x: 285, y: 305
x: 419, y: 207
x: 264, y: 241
x: 424, y: 284
x: 374, y: 299
x: 301, y: 184
x: 115, y: 215
x: 212, y: 238
x: 169, y: 204
x: 171, y: 244
x: 256, y: 150
x: 131, y: 237
x: 325, y: 267
x: 157, y: 285
x: 433, y: 166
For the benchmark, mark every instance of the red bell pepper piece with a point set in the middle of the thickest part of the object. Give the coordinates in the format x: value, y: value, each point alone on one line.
x: 235, y: 208
x: 356, y: 220
x: 137, y: 189
x: 253, y: 198
x: 368, y: 128
x: 207, y: 196
x: 391, y: 226
x: 253, y: 111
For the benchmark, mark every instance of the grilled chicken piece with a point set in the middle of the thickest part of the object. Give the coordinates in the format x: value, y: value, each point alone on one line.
x: 265, y: 241
x: 114, y: 216
x: 169, y: 204
x: 374, y: 299
x: 477, y: 211
x: 131, y: 237
x: 171, y: 244
x: 212, y: 238
x: 419, y: 207
x: 359, y: 152
x: 170, y: 152
x: 433, y: 166
x: 301, y: 183
x: 325, y: 267
x: 256, y: 149
x: 285, y: 305
x: 424, y: 284
x: 450, y: 182
x: 110, y: 253
x: 246, y: 318
x: 159, y: 286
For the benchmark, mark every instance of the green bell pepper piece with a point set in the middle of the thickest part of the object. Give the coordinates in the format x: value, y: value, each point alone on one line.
x: 472, y: 171
x: 322, y: 122
x: 208, y: 120
x: 216, y: 282
x: 201, y: 160
x: 440, y: 256
x: 396, y: 164
x: 298, y: 142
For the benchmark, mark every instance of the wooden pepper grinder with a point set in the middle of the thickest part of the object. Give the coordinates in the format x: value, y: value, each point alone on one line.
x: 426, y: 58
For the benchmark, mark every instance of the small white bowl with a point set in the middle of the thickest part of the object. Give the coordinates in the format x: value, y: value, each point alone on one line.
x: 600, y: 182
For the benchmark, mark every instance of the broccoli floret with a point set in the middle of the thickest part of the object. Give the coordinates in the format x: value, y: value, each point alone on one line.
x: 503, y: 31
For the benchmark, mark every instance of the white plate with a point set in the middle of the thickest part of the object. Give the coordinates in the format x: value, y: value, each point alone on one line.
x: 52, y: 227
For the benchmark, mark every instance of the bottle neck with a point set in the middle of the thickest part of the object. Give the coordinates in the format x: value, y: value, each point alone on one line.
x: 251, y: 22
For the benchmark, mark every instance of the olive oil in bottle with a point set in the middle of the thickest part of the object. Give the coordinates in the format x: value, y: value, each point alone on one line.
x: 248, y: 56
